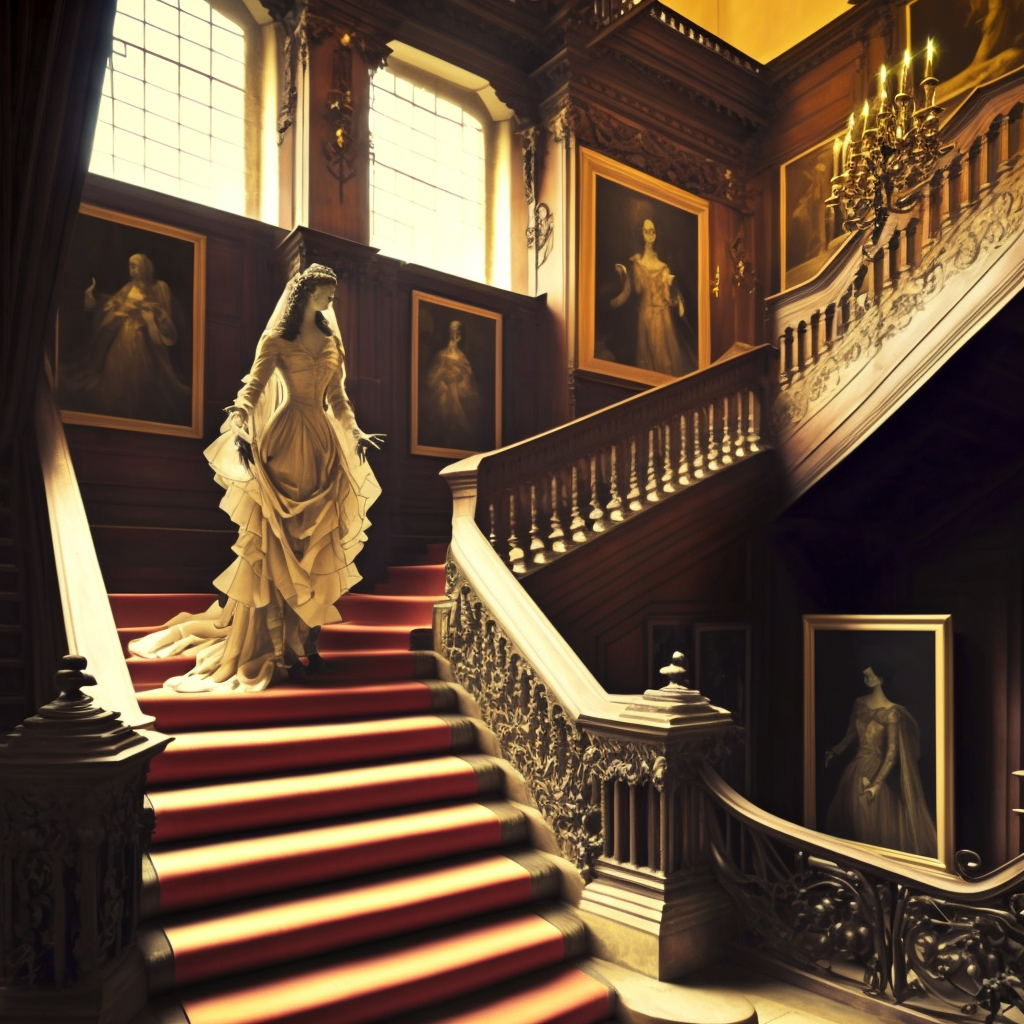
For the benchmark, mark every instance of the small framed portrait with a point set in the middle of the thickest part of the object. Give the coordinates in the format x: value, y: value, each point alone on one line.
x: 976, y: 41
x: 878, y: 752
x: 456, y: 377
x: 644, y: 290
x: 130, y: 325
x: 722, y: 666
x: 810, y: 232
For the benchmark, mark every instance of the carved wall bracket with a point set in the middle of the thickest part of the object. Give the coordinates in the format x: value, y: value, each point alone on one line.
x: 654, y: 155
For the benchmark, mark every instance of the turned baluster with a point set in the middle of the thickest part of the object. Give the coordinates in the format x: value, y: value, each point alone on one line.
x: 684, y: 464
x: 614, y: 505
x: 577, y: 524
x: 783, y: 364
x: 976, y: 159
x: 739, y: 450
x: 1013, y: 134
x: 830, y: 324
x: 538, y: 554
x: 753, y: 423
x: 815, y: 336
x: 726, y: 435
x: 713, y: 463
x: 492, y: 536
x: 651, y: 490
x: 596, y: 513
x: 996, y: 156
x: 802, y: 362
x: 667, y: 472
x: 516, y: 555
x: 556, y: 537
x: 698, y: 450
x: 633, y: 500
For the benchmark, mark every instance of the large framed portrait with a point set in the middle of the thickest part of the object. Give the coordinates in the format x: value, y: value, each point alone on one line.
x: 130, y: 325
x: 644, y: 290
x: 878, y: 751
x: 976, y: 41
x: 810, y: 232
x: 456, y: 377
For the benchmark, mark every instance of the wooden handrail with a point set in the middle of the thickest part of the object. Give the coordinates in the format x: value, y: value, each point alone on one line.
x: 88, y: 619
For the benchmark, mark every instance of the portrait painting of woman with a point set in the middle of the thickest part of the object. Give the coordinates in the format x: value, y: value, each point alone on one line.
x: 878, y: 749
x: 130, y: 326
x: 644, y: 313
x: 456, y: 374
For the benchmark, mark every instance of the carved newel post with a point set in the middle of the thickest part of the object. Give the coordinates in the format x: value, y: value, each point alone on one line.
x: 72, y: 833
x: 654, y: 904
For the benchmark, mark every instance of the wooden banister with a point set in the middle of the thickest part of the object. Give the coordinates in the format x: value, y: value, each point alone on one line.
x: 88, y: 620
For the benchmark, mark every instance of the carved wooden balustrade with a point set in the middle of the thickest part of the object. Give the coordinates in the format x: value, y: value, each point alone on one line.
x: 613, y: 775
x: 950, y: 944
x: 545, y: 496
x: 892, y: 306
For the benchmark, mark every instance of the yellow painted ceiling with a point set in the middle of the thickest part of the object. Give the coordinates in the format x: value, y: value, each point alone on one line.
x: 760, y: 29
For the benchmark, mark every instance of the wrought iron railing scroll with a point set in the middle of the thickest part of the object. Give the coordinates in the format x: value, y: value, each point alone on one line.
x: 902, y: 933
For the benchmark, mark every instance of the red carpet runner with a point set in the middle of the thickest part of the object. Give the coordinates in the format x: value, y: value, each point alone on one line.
x: 338, y: 850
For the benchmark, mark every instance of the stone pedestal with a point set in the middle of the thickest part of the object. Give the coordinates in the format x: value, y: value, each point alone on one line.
x: 663, y: 931
x: 72, y: 832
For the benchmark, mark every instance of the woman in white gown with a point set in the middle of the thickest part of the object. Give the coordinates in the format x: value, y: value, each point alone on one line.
x: 291, y: 460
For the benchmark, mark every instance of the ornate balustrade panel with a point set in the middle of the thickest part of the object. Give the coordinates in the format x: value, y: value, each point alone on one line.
x: 614, y: 776
x: 901, y: 933
x: 543, y: 497
x: 888, y: 310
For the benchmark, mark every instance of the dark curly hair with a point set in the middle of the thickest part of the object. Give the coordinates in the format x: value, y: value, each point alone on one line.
x: 308, y: 281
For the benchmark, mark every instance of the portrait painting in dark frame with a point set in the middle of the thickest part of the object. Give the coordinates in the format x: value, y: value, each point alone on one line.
x: 877, y: 732
x: 456, y: 377
x: 630, y: 326
x: 130, y: 325
x: 811, y: 233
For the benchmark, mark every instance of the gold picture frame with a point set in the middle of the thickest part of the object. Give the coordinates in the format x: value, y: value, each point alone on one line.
x: 878, y: 745
x: 456, y: 377
x: 810, y: 233
x: 631, y: 288
x: 131, y: 325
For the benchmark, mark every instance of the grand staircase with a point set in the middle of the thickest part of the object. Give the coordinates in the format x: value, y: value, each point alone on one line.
x: 341, y: 848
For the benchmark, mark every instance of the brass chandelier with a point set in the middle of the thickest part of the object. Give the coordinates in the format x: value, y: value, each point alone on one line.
x: 888, y: 153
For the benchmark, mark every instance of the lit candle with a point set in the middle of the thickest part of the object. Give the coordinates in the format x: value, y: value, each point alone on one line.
x: 837, y: 146
x: 883, y: 95
x: 904, y: 70
x: 864, y: 123
x: 847, y: 142
x: 930, y: 53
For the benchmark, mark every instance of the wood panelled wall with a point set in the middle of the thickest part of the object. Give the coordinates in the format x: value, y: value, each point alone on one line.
x: 925, y: 517
x: 151, y: 499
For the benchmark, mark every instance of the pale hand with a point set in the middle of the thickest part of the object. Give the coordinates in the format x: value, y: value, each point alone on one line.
x: 364, y: 441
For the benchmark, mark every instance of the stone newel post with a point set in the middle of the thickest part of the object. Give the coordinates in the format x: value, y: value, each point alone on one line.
x: 72, y: 833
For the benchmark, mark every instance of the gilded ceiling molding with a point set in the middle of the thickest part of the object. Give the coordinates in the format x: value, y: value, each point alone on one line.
x: 653, y: 155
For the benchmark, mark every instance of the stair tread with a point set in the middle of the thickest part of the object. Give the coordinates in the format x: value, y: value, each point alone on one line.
x: 564, y: 995
x: 349, y: 665
x: 280, y: 928
x: 294, y: 702
x: 283, y: 799
x: 379, y: 986
x: 214, y: 872
x: 233, y: 752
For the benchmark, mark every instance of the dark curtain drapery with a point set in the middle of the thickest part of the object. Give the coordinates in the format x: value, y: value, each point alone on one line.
x: 52, y: 58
